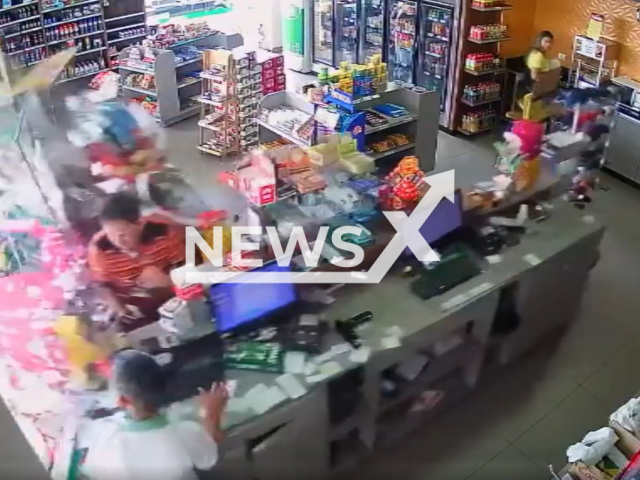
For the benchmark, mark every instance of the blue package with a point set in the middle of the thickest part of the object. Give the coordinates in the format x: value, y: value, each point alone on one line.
x: 391, y: 110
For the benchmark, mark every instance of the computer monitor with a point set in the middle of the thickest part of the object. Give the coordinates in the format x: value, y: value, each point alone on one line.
x: 239, y: 304
x: 445, y: 218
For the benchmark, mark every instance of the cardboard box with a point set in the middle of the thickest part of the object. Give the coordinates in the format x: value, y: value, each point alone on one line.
x: 270, y: 63
x: 280, y: 70
x: 270, y: 73
x: 280, y: 60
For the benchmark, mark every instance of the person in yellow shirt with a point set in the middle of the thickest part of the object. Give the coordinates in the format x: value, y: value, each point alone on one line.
x: 539, y: 63
x: 538, y: 60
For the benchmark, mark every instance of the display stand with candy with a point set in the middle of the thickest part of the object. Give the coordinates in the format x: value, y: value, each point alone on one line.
x: 404, y: 186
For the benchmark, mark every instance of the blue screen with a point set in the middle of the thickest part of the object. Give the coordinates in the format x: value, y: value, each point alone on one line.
x: 444, y: 219
x: 235, y: 304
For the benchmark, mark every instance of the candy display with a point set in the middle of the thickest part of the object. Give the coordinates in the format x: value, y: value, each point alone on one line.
x: 481, y: 92
x: 488, y: 32
x: 171, y: 34
x: 375, y: 119
x: 478, y: 121
x: 404, y: 185
x: 288, y: 120
x: 353, y: 81
x: 389, y: 143
x: 480, y: 62
x: 391, y: 110
x: 142, y: 81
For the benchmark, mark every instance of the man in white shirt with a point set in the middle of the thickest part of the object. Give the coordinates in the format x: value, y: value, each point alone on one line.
x: 143, y: 445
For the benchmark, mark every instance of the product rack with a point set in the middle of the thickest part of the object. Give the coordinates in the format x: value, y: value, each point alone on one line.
x: 480, y: 115
x: 92, y: 32
x: 218, y: 118
x: 424, y: 112
x: 593, y: 61
x: 174, y: 96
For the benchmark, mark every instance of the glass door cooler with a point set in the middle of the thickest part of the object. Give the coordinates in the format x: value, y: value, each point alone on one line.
x: 323, y: 44
x: 435, y: 47
x: 347, y: 15
x: 372, y: 39
x: 403, y: 15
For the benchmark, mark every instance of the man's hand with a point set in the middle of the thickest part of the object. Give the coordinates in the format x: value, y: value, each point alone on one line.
x: 153, y: 277
x: 215, y: 400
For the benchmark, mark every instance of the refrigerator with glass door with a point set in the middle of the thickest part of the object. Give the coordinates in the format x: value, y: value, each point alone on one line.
x: 401, y: 42
x: 372, y: 29
x: 323, y: 39
x: 346, y: 28
x: 437, y: 49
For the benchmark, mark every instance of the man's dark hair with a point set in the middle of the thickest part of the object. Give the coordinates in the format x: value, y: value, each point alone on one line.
x: 123, y: 206
x: 139, y: 377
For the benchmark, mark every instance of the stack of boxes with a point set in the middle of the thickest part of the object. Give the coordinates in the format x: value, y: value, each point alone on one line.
x: 249, y: 92
x: 273, y: 77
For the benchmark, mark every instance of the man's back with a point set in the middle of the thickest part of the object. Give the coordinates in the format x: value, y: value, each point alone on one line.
x: 152, y: 449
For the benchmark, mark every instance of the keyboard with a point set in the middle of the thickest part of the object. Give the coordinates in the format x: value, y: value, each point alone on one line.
x: 453, y: 269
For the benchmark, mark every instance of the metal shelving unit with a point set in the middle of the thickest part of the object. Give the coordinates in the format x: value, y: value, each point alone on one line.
x: 598, y: 57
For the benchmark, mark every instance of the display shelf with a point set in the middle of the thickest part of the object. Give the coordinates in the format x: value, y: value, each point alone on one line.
x: 477, y: 104
x: 438, y: 37
x: 16, y: 22
x: 482, y: 130
x: 93, y: 50
x: 27, y: 49
x: 129, y: 68
x: 189, y: 62
x: 25, y: 4
x: 393, y: 151
x: 393, y: 122
x: 133, y: 37
x: 286, y: 135
x: 71, y: 20
x: 195, y: 81
x: 135, y: 25
x: 432, y: 54
x: 141, y: 90
x: 206, y: 101
x: 31, y: 30
x: 488, y: 40
x: 478, y: 73
x: 124, y: 17
x: 75, y: 37
x: 79, y: 76
x: 503, y: 8
x: 76, y: 4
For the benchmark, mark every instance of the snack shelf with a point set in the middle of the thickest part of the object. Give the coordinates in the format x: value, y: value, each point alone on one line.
x: 392, y: 151
x: 393, y: 122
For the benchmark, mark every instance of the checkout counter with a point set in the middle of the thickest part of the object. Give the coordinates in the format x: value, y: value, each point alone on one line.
x: 353, y: 404
x: 623, y: 154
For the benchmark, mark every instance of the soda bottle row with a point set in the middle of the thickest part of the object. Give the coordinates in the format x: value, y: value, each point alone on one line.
x: 83, y: 68
x: 488, y: 32
x: 26, y: 41
x: 18, y: 14
x: 82, y: 27
x: 31, y: 57
x: 477, y: 121
x: 440, y: 29
x: 71, y: 13
x: 479, y: 62
x: 134, y: 32
x: 481, y: 92
x: 82, y: 44
x: 436, y: 68
x: 438, y: 15
x: 439, y: 48
x: 29, y: 25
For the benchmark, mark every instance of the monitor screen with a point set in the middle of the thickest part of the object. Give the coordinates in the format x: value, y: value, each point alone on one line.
x: 236, y: 304
x: 445, y: 218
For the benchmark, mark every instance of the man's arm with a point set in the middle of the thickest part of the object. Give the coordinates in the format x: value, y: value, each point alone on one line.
x: 214, y: 402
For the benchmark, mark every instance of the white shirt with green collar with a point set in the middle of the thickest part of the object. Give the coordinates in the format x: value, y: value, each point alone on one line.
x: 152, y: 449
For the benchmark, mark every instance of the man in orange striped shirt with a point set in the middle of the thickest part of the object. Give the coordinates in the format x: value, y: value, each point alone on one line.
x: 132, y: 257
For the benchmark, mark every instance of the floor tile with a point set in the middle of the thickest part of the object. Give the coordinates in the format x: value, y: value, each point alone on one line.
x: 519, y: 396
x: 470, y: 168
x: 450, y: 146
x: 510, y: 464
x: 546, y: 443
x: 617, y: 380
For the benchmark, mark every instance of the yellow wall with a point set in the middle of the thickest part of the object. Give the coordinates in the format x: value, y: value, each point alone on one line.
x: 566, y: 18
